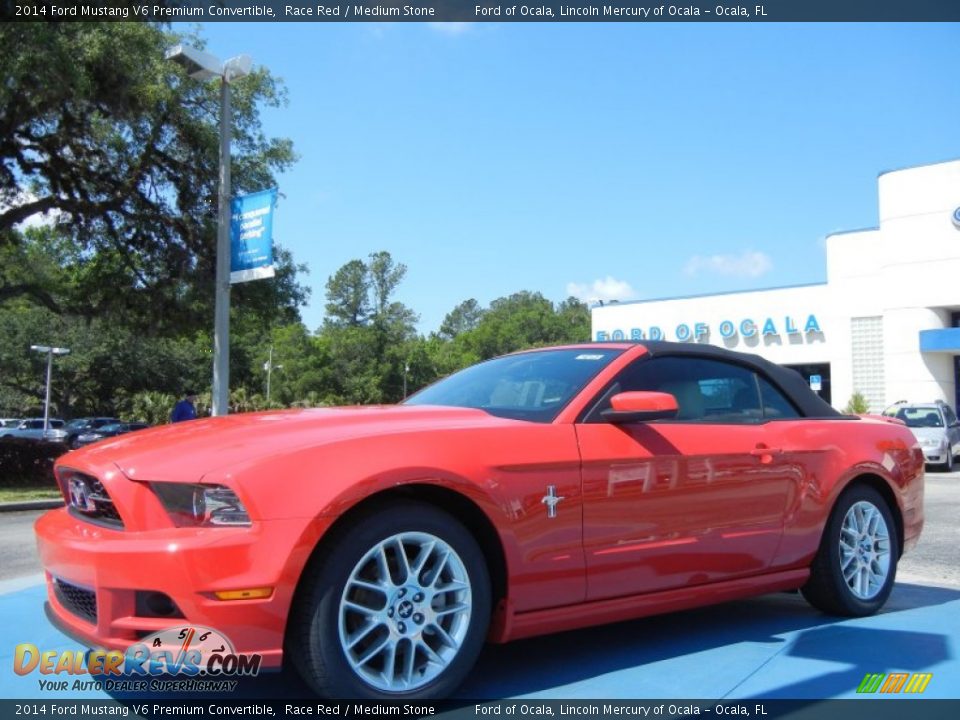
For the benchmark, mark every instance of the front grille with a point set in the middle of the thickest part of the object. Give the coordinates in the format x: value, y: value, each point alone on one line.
x: 87, y: 498
x: 80, y: 601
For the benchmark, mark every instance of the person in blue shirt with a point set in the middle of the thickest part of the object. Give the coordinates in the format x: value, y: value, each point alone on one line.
x: 185, y: 409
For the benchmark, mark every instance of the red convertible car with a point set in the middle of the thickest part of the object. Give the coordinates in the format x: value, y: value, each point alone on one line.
x: 377, y: 548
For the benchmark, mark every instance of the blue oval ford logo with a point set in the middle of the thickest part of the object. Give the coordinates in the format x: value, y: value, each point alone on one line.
x: 956, y: 217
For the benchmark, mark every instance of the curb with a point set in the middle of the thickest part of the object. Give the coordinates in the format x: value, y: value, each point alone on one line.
x: 30, y: 505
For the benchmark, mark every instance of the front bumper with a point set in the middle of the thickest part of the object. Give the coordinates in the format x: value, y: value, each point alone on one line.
x: 935, y: 456
x: 101, y: 569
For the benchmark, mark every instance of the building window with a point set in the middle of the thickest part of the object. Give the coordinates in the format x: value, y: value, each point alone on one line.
x: 866, y: 336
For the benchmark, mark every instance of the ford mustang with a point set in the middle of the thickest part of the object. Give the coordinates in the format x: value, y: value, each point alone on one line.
x: 376, y: 549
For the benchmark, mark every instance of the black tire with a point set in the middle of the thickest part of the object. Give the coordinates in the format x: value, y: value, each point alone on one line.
x: 320, y: 625
x: 948, y: 464
x: 828, y: 589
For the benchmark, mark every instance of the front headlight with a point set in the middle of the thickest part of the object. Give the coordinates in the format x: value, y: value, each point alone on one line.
x: 202, y: 505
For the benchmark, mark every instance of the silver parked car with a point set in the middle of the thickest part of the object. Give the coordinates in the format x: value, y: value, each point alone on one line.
x: 936, y: 428
x: 32, y: 429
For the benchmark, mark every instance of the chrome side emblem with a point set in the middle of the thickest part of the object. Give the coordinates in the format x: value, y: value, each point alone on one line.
x: 80, y: 495
x: 551, y: 500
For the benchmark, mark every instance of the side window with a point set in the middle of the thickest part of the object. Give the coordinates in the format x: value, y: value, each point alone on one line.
x: 775, y: 404
x: 706, y: 390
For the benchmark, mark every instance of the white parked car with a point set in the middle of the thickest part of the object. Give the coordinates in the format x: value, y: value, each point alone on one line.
x: 936, y: 428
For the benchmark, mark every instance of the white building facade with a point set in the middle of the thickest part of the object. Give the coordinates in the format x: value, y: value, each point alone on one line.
x: 885, y: 324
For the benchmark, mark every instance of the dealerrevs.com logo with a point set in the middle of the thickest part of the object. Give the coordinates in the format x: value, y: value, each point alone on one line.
x: 189, y: 658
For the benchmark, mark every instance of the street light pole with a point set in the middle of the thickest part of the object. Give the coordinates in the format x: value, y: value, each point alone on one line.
x: 221, y: 312
x: 50, y: 351
x: 268, y: 366
x: 204, y: 66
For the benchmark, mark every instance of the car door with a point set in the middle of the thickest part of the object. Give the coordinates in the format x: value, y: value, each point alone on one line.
x: 692, y: 500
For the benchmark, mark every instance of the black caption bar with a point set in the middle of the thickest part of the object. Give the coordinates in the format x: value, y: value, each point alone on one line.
x: 482, y: 11
x: 193, y: 707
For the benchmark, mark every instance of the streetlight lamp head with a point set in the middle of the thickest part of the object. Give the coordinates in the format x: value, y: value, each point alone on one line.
x: 198, y: 64
x: 236, y: 67
x: 51, y: 350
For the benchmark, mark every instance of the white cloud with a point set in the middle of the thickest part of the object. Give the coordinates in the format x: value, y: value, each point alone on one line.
x: 605, y: 289
x: 449, y: 28
x: 748, y: 264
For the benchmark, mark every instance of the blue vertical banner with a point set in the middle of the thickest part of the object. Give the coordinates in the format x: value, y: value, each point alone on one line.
x: 251, y: 236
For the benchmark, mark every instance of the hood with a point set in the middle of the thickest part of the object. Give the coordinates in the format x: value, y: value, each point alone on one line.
x: 934, y: 433
x: 187, y: 451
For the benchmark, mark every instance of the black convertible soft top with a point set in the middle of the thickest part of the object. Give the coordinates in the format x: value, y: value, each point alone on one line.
x: 789, y: 381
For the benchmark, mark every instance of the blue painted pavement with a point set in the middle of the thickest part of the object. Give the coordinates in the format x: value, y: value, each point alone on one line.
x: 775, y: 647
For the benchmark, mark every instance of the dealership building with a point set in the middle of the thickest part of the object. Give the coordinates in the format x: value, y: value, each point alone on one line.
x: 886, y: 323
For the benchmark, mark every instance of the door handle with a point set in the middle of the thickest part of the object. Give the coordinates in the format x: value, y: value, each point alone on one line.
x: 761, y: 451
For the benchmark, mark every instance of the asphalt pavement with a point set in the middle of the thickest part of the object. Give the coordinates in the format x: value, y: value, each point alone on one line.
x: 19, y: 547
x: 934, y: 560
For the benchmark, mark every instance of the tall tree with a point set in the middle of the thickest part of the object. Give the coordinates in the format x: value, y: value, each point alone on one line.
x: 348, y: 295
x: 366, y: 330
x: 99, y: 131
x: 465, y: 316
x: 385, y: 276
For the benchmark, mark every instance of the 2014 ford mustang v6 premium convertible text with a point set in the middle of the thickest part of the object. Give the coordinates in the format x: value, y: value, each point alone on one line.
x: 378, y: 548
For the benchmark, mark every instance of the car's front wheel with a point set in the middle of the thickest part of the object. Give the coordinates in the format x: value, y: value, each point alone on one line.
x: 855, y: 567
x: 396, y: 608
x: 948, y: 463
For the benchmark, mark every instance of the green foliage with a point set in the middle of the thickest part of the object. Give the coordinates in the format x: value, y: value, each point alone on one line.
x: 857, y: 405
x: 525, y: 320
x: 99, y: 129
x: 149, y: 407
x: 465, y: 316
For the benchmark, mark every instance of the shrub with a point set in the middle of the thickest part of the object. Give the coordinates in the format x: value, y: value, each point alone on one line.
x: 28, y: 462
x: 857, y: 405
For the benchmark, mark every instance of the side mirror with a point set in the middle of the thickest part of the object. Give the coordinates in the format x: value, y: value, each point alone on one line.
x: 628, y: 407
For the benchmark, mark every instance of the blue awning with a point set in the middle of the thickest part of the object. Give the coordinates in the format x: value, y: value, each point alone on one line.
x: 944, y: 340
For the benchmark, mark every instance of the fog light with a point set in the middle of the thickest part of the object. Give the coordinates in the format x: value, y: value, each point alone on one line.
x: 251, y: 594
x: 156, y: 604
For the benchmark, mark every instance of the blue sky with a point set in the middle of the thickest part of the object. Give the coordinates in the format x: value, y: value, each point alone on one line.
x: 619, y: 160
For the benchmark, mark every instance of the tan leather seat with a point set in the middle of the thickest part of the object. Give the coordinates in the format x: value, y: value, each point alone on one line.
x: 689, y: 398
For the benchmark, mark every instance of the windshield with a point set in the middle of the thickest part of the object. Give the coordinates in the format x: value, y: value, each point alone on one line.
x: 920, y: 417
x: 530, y: 386
x: 111, y: 428
x: 78, y: 423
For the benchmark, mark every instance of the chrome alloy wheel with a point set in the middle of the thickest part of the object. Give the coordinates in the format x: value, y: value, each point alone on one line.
x: 864, y: 550
x: 404, y: 612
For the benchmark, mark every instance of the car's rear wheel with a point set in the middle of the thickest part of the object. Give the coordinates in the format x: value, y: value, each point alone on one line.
x: 397, y: 608
x: 855, y: 567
